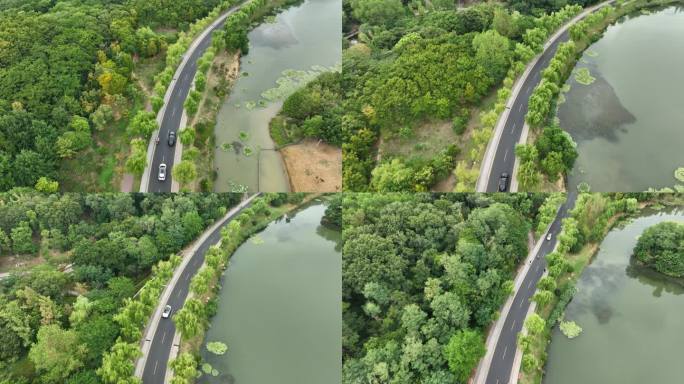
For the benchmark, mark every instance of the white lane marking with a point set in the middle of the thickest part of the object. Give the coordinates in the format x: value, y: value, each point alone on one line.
x: 520, y: 108
x: 504, y: 354
x: 505, y: 155
x: 513, y: 129
x: 163, y: 337
x: 513, y: 325
x: 173, y: 112
x: 538, y: 266
x: 528, y: 88
x: 187, y: 276
x: 530, y: 284
x: 178, y: 294
x: 155, y: 367
x: 521, y: 303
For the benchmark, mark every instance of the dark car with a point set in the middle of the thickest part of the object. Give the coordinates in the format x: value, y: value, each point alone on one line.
x: 503, y: 182
x: 172, y: 139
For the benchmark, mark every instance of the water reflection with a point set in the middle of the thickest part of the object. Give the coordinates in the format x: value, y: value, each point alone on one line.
x: 594, y: 111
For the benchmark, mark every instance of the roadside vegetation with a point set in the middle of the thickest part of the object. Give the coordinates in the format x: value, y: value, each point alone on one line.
x: 194, y: 318
x: 593, y: 216
x: 85, y: 272
x: 550, y: 152
x: 413, y: 67
x: 424, y: 276
x: 68, y: 85
x: 217, y: 69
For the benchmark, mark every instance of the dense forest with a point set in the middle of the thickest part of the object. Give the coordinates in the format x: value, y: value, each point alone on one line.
x: 423, y: 277
x: 75, y: 260
x: 662, y: 247
x: 417, y: 63
x: 66, y: 74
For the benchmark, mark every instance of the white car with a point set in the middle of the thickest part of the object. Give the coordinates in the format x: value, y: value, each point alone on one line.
x: 162, y: 172
x: 548, y: 237
x: 167, y: 312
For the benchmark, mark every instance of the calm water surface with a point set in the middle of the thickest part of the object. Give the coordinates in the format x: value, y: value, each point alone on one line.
x: 279, y: 308
x: 629, y: 123
x: 632, y: 318
x: 300, y: 37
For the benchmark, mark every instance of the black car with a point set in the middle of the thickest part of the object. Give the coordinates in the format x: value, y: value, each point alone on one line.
x: 503, y: 182
x: 172, y: 139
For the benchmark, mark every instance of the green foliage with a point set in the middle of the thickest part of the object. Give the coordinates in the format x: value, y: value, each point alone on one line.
x: 46, y: 185
x: 184, y: 369
x: 570, y: 329
x: 137, y: 160
x: 415, y: 309
x: 187, y: 136
x: 312, y: 111
x: 185, y: 172
x: 57, y: 353
x: 662, y: 248
x: 143, y: 124
x: 378, y: 12
x: 464, y: 351
x: 534, y: 324
x: 217, y: 347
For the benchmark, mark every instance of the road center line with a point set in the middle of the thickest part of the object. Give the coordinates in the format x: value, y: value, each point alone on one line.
x: 513, y: 325
x: 163, y: 337
x: 504, y: 353
x: 514, y: 125
x: 530, y: 284
x: 505, y: 155
x: 155, y: 367
x: 520, y: 108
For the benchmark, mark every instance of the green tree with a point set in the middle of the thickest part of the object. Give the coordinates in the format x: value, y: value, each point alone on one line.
x: 542, y: 297
x: 392, y: 176
x: 22, y: 239
x: 117, y: 365
x: 184, y: 172
x: 184, y: 369
x: 465, y: 349
x: 662, y: 247
x: 57, y: 353
x: 46, y: 185
x: 378, y: 12
x: 191, y: 318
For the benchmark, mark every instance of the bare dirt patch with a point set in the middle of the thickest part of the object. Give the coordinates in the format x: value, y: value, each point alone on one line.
x: 313, y: 166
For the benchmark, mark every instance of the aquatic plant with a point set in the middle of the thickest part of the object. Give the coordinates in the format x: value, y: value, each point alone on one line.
x: 217, y: 347
x: 584, y: 77
x: 244, y: 136
x: 570, y: 329
x: 679, y: 174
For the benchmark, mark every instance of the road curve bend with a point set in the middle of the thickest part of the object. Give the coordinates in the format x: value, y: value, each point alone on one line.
x: 172, y: 114
x: 511, y: 128
x: 499, y: 363
x: 158, y: 339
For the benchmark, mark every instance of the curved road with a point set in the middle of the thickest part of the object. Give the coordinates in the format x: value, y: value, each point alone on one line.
x: 504, y: 156
x: 158, y: 356
x: 504, y: 352
x: 172, y: 112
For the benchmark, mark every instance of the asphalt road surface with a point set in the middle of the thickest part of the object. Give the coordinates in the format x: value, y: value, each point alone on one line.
x: 160, y: 349
x: 504, y: 159
x: 163, y: 153
x: 504, y: 352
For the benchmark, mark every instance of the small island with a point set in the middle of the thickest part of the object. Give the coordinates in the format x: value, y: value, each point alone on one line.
x: 662, y: 247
